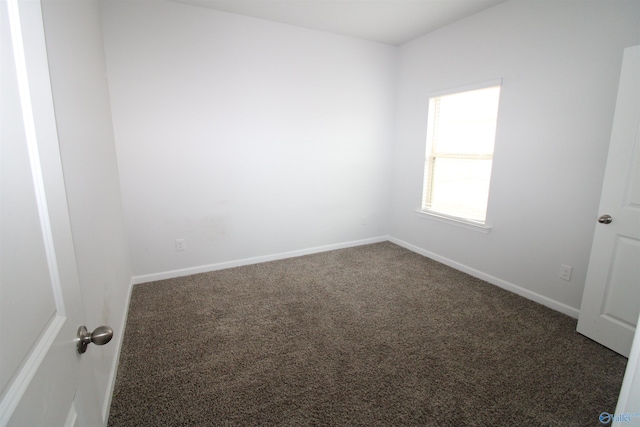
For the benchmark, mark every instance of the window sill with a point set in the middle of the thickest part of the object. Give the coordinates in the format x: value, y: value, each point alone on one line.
x: 469, y: 225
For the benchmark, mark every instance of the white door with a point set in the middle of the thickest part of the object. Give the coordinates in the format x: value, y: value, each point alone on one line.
x: 40, y: 301
x: 628, y: 407
x: 611, y: 300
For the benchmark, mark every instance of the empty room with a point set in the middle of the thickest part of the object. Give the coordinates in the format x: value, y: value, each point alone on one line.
x: 320, y: 212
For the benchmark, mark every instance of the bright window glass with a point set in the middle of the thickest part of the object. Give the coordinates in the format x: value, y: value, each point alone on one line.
x: 461, y: 133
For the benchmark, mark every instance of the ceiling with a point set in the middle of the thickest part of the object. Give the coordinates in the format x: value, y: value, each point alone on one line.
x: 386, y: 21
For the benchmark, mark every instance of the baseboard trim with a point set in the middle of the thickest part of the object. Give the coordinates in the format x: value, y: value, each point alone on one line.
x: 253, y: 260
x: 111, y: 384
x: 541, y: 299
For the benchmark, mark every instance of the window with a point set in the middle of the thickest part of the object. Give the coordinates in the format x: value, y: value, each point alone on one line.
x: 461, y: 132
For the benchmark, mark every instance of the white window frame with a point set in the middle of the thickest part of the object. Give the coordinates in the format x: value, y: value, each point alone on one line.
x: 428, y: 167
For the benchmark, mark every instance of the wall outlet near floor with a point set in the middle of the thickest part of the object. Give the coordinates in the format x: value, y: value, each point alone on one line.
x: 180, y: 245
x: 565, y: 272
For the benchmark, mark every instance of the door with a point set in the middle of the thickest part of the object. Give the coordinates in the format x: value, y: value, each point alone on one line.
x: 40, y: 301
x: 628, y: 407
x: 611, y: 299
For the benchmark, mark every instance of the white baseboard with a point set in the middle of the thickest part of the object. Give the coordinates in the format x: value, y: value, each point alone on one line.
x: 541, y: 299
x: 106, y: 406
x: 254, y: 260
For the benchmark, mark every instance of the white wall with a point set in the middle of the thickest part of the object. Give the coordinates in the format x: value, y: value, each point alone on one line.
x: 560, y: 63
x: 81, y: 101
x: 249, y: 138
x: 244, y: 137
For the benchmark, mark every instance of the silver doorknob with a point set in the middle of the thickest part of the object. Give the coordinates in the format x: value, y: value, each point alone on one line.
x: 605, y: 219
x: 100, y: 336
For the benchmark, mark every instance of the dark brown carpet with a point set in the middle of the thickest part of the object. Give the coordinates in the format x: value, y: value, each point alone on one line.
x: 371, y: 335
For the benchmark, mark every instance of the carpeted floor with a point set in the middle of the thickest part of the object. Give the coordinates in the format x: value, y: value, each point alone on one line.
x: 371, y: 335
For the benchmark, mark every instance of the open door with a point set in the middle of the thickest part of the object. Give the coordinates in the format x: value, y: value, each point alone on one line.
x: 40, y: 301
x: 611, y: 299
x: 628, y: 407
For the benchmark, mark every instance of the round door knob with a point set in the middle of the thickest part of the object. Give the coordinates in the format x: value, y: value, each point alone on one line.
x: 605, y: 219
x: 100, y: 336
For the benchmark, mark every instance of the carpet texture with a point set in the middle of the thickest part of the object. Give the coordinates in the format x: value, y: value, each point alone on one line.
x: 364, y: 336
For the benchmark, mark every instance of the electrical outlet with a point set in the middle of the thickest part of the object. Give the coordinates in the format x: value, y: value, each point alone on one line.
x: 180, y: 245
x: 565, y: 272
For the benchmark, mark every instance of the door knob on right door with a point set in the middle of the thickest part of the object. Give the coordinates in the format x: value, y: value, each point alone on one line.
x: 605, y: 219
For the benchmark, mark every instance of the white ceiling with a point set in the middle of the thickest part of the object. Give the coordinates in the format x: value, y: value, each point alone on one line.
x: 386, y: 21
